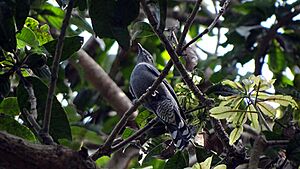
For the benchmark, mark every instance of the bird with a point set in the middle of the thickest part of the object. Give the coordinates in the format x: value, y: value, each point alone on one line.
x: 162, y: 102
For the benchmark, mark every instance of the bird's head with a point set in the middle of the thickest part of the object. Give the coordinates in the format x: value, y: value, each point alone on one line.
x: 144, y: 55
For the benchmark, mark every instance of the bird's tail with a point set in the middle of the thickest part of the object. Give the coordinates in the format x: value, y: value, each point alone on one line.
x: 181, y: 134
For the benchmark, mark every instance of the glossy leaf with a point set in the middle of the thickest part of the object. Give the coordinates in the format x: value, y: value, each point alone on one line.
x: 71, y: 45
x: 143, y: 117
x: 26, y: 37
x: 127, y: 133
x: 59, y: 125
x: 42, y: 33
x: 267, y: 109
x: 9, y: 106
x: 205, y: 164
x: 221, y: 112
x: 235, y: 135
x: 10, y: 125
x: 221, y: 166
x: 253, y: 117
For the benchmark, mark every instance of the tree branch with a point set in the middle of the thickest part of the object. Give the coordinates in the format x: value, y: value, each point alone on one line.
x: 173, y: 55
x: 187, y: 27
x: 264, y: 42
x: 232, y: 151
x: 54, y: 72
x: 210, y: 27
x: 135, y: 135
x: 18, y: 153
x: 105, y: 149
x: 32, y: 115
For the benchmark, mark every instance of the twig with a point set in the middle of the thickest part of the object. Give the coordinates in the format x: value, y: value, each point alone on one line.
x: 187, y: 27
x: 194, y: 109
x: 105, y: 149
x: 219, y: 29
x: 135, y: 135
x: 36, y: 127
x: 173, y: 55
x: 32, y: 100
x: 54, y: 70
x: 32, y: 115
x: 211, y: 26
x: 232, y: 151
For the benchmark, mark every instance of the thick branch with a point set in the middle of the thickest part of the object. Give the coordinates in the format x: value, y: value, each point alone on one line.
x: 54, y: 71
x: 17, y: 153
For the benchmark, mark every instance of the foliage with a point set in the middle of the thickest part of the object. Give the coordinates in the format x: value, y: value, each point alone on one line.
x: 262, y: 33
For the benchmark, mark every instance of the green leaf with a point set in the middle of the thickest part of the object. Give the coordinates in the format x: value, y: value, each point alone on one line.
x: 26, y: 37
x: 102, y: 162
x: 42, y: 33
x: 7, y: 27
x: 71, y: 45
x: 205, y: 164
x: 142, y: 118
x: 282, y: 100
x: 111, y: 18
x: 36, y: 60
x: 235, y: 85
x: 10, y: 125
x: 59, y: 125
x: 81, y: 23
x: 221, y: 112
x: 178, y: 161
x: 221, y: 166
x: 42, y: 72
x: 127, y: 133
x: 9, y: 106
x: 253, y: 117
x: 267, y: 109
x: 238, y: 119
x: 235, y: 135
x: 277, y: 61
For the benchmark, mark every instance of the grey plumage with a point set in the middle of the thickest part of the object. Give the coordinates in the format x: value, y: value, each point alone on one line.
x: 163, y: 102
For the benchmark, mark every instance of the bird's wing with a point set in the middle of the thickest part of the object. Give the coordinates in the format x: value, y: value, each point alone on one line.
x: 131, y: 92
x: 155, y: 72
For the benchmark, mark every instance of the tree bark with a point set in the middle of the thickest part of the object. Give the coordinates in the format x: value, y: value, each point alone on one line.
x: 16, y: 153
